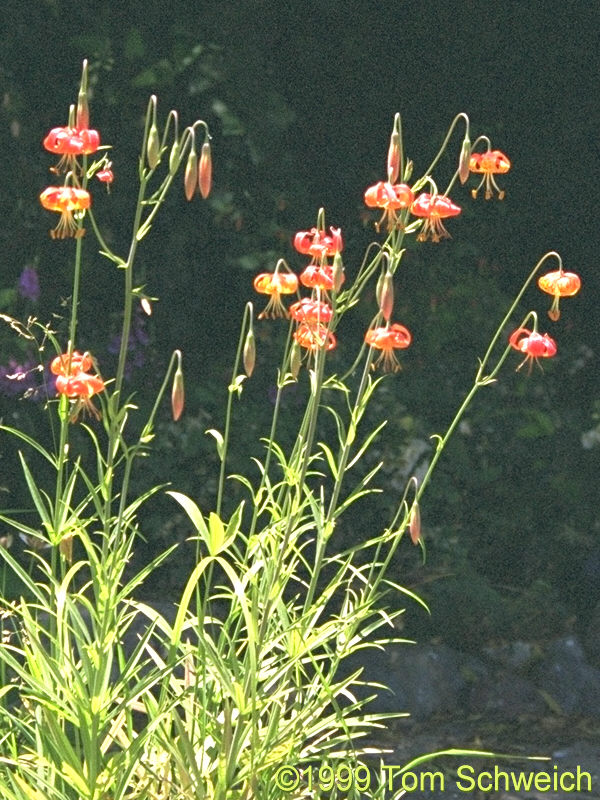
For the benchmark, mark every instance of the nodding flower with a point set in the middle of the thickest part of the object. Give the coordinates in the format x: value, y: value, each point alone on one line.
x: 433, y: 208
x: 391, y: 198
x: 535, y: 345
x: 275, y: 284
x: 315, y: 337
x: 66, y: 365
x: 488, y: 164
x: 559, y: 284
x: 388, y: 339
x: 106, y: 175
x: 320, y: 276
x: 70, y: 143
x: 311, y: 311
x: 318, y: 243
x: 81, y: 387
x: 69, y: 202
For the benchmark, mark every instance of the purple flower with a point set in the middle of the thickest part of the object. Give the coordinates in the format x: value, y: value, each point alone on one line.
x: 29, y: 285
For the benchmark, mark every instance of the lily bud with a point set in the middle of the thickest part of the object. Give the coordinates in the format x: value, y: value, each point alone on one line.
x: 386, y: 295
x: 414, y: 523
x: 393, y: 159
x: 153, y: 147
x: 205, y: 170
x: 464, y: 159
x: 177, y: 394
x: 338, y: 272
x: 174, y: 158
x: 190, y: 179
x: 82, y: 118
x: 249, y: 352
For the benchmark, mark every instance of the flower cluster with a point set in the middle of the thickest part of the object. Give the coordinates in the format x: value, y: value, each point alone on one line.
x: 536, y: 345
x: 77, y: 139
x: 313, y: 314
x: 398, y: 200
x: 75, y: 381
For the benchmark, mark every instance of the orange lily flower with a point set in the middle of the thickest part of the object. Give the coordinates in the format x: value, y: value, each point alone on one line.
x: 70, y: 143
x: 434, y: 208
x: 67, y: 200
x: 317, y: 243
x: 63, y: 365
x: 317, y: 276
x: 395, y: 337
x: 533, y: 344
x: 275, y: 284
x: 488, y: 164
x: 391, y: 198
x: 106, y: 175
x: 315, y: 337
x: 80, y: 387
x: 311, y: 311
x: 559, y: 284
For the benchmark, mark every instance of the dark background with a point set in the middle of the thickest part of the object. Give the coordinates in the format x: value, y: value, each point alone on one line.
x: 300, y: 98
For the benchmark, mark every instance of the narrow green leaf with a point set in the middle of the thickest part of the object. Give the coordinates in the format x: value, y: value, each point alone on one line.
x: 194, y: 513
x: 330, y: 460
x: 216, y: 534
x: 32, y: 442
x: 219, y: 440
x: 366, y: 444
x: 42, y: 504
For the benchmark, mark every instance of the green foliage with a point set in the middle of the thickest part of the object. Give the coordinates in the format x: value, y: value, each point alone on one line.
x: 245, y: 673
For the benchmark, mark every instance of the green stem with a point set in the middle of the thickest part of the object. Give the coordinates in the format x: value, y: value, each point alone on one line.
x: 228, y: 413
x: 481, y: 379
x: 105, y: 248
x: 115, y: 421
x: 303, y: 447
x: 63, y: 454
x: 510, y: 311
x: 430, y: 168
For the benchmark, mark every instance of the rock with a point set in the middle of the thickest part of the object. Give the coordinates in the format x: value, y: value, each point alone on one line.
x: 423, y: 679
x: 516, y: 655
x: 572, y: 683
x: 592, y: 637
x: 505, y: 695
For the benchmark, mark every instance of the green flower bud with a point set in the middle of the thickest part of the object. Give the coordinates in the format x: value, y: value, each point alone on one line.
x: 153, y: 147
